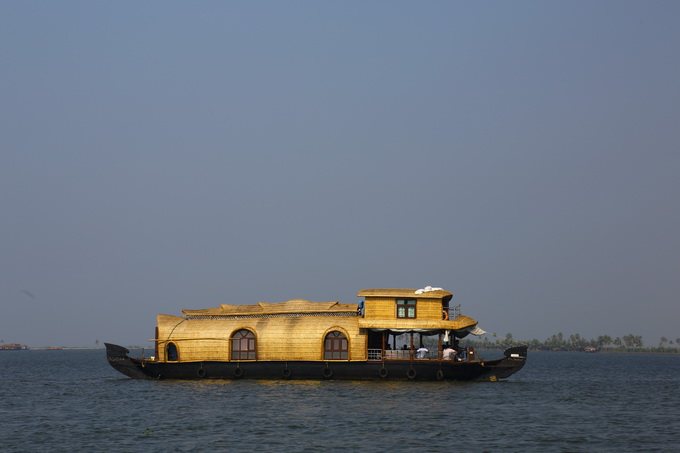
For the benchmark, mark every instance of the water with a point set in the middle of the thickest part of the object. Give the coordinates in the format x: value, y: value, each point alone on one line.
x: 72, y: 401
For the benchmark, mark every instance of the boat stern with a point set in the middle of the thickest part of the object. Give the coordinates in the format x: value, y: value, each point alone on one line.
x: 118, y: 358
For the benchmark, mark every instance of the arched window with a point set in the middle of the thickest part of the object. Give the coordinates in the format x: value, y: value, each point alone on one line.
x: 243, y: 345
x: 335, y: 346
x: 171, y: 352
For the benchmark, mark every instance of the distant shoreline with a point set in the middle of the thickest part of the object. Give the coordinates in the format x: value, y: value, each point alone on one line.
x: 601, y: 351
x: 59, y: 348
x: 64, y: 348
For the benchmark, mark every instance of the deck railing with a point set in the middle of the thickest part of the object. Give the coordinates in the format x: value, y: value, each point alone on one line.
x: 375, y: 354
x: 405, y: 354
x: 454, y: 312
x: 398, y: 354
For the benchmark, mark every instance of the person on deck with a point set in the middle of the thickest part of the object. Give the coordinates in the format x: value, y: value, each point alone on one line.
x: 448, y: 353
x: 459, y: 350
x: 421, y: 353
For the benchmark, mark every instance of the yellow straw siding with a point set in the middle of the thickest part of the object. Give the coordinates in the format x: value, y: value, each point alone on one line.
x: 429, y: 309
x: 277, y: 339
x: 386, y: 308
x: 290, y: 331
x: 380, y: 308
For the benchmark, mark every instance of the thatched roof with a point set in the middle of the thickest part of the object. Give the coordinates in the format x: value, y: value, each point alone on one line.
x: 291, y: 306
x: 404, y: 293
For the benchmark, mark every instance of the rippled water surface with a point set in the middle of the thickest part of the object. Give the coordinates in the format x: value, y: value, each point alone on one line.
x: 72, y: 401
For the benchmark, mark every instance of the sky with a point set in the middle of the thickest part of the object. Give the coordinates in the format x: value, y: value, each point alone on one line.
x: 156, y: 156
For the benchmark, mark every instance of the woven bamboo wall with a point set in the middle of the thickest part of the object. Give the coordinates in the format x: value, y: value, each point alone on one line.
x: 381, y: 308
x: 429, y: 309
x: 386, y: 308
x: 296, y: 329
x: 277, y: 338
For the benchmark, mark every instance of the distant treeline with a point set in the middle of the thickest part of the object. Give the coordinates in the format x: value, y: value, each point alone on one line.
x: 575, y: 342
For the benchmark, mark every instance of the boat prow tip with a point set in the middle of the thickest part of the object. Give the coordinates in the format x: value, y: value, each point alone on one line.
x: 516, y: 352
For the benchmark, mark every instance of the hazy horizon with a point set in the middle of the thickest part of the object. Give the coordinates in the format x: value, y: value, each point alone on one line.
x: 157, y: 156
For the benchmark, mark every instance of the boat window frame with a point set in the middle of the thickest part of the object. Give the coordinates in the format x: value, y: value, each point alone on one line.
x: 404, y: 303
x: 248, y: 351
x: 167, y: 352
x: 342, y: 352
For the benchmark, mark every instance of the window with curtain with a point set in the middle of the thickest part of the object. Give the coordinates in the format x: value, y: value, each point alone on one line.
x: 243, y: 345
x: 406, y: 308
x: 335, y: 346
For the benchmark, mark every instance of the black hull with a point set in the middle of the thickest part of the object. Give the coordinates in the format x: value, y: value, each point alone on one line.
x: 401, y: 370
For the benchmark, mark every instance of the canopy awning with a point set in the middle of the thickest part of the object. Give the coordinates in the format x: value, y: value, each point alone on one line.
x: 461, y: 322
x: 458, y: 333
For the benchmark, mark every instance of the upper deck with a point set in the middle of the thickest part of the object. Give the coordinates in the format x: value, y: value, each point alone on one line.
x: 411, y: 309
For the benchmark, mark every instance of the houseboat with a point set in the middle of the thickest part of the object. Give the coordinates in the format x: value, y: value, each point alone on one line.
x: 391, y: 334
x: 13, y: 347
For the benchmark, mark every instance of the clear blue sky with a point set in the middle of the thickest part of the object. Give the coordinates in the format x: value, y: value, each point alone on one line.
x: 156, y: 156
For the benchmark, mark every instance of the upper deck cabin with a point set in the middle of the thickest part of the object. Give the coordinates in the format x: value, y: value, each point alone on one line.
x: 413, y: 310
x: 302, y: 330
x: 406, y: 305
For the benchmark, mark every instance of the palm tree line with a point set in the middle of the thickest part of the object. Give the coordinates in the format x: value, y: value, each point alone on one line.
x: 575, y: 342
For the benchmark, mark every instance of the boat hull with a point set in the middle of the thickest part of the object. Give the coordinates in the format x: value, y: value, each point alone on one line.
x: 414, y: 370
